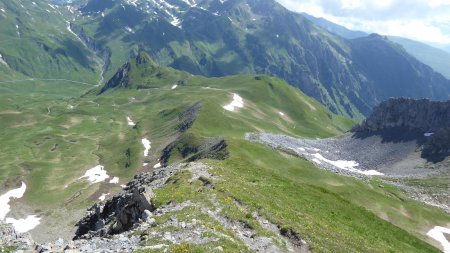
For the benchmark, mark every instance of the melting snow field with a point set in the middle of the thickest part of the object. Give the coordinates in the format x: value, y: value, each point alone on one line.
x: 346, y: 165
x: 5, y: 198
x: 158, y: 165
x: 174, y: 87
x: 237, y: 102
x: 437, y: 233
x: 114, y: 180
x: 146, y: 144
x: 130, y: 122
x: 24, y: 225
x: 96, y: 174
x: 20, y: 225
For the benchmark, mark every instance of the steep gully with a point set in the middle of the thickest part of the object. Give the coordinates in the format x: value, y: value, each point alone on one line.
x: 102, y: 54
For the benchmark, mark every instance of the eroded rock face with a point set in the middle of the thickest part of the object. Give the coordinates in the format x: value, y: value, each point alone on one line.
x: 421, y: 115
x: 120, y: 79
x: 438, y: 145
x: 118, y: 214
x: 427, y: 122
x: 12, y: 240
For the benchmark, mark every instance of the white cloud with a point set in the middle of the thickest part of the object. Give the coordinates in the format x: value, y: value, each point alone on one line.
x: 424, y: 20
x: 351, y: 4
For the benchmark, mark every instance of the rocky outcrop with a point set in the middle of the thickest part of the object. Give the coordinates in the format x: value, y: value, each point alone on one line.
x: 188, y: 146
x: 192, y: 148
x: 165, y: 227
x: 421, y: 115
x: 438, y: 145
x: 10, y: 240
x: 120, y: 79
x: 118, y: 214
x: 188, y: 117
x: 128, y: 208
x: 427, y: 122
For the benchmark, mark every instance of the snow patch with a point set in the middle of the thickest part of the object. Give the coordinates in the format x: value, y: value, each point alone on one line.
x: 175, y: 22
x: 129, y: 29
x: 191, y: 3
x: 316, y: 161
x: 428, y: 134
x: 437, y: 233
x: 130, y: 122
x: 347, y: 165
x: 24, y: 225
x: 103, y: 196
x: 114, y: 180
x: 147, y: 146
x: 281, y: 113
x: 20, y: 225
x: 237, y: 102
x: 158, y: 165
x: 131, y: 2
x: 2, y: 61
x: 5, y: 198
x: 174, y: 87
x: 96, y: 174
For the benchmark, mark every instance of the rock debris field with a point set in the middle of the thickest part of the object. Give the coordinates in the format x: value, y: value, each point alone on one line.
x: 354, y: 156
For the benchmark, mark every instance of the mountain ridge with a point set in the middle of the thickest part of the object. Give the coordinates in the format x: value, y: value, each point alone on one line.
x: 264, y: 37
x: 436, y: 58
x: 240, y: 37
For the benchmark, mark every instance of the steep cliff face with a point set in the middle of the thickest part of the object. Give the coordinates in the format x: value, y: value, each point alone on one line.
x: 426, y: 121
x: 422, y: 115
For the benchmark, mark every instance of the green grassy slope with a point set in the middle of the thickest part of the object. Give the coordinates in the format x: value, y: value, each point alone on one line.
x: 330, y: 211
x: 51, y: 136
x: 36, y: 43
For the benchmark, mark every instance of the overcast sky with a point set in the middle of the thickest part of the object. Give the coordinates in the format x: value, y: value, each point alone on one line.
x: 423, y: 20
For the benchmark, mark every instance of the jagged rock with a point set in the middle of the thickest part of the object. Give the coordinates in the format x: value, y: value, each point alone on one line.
x: 120, y: 79
x: 118, y: 214
x: 14, y: 240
